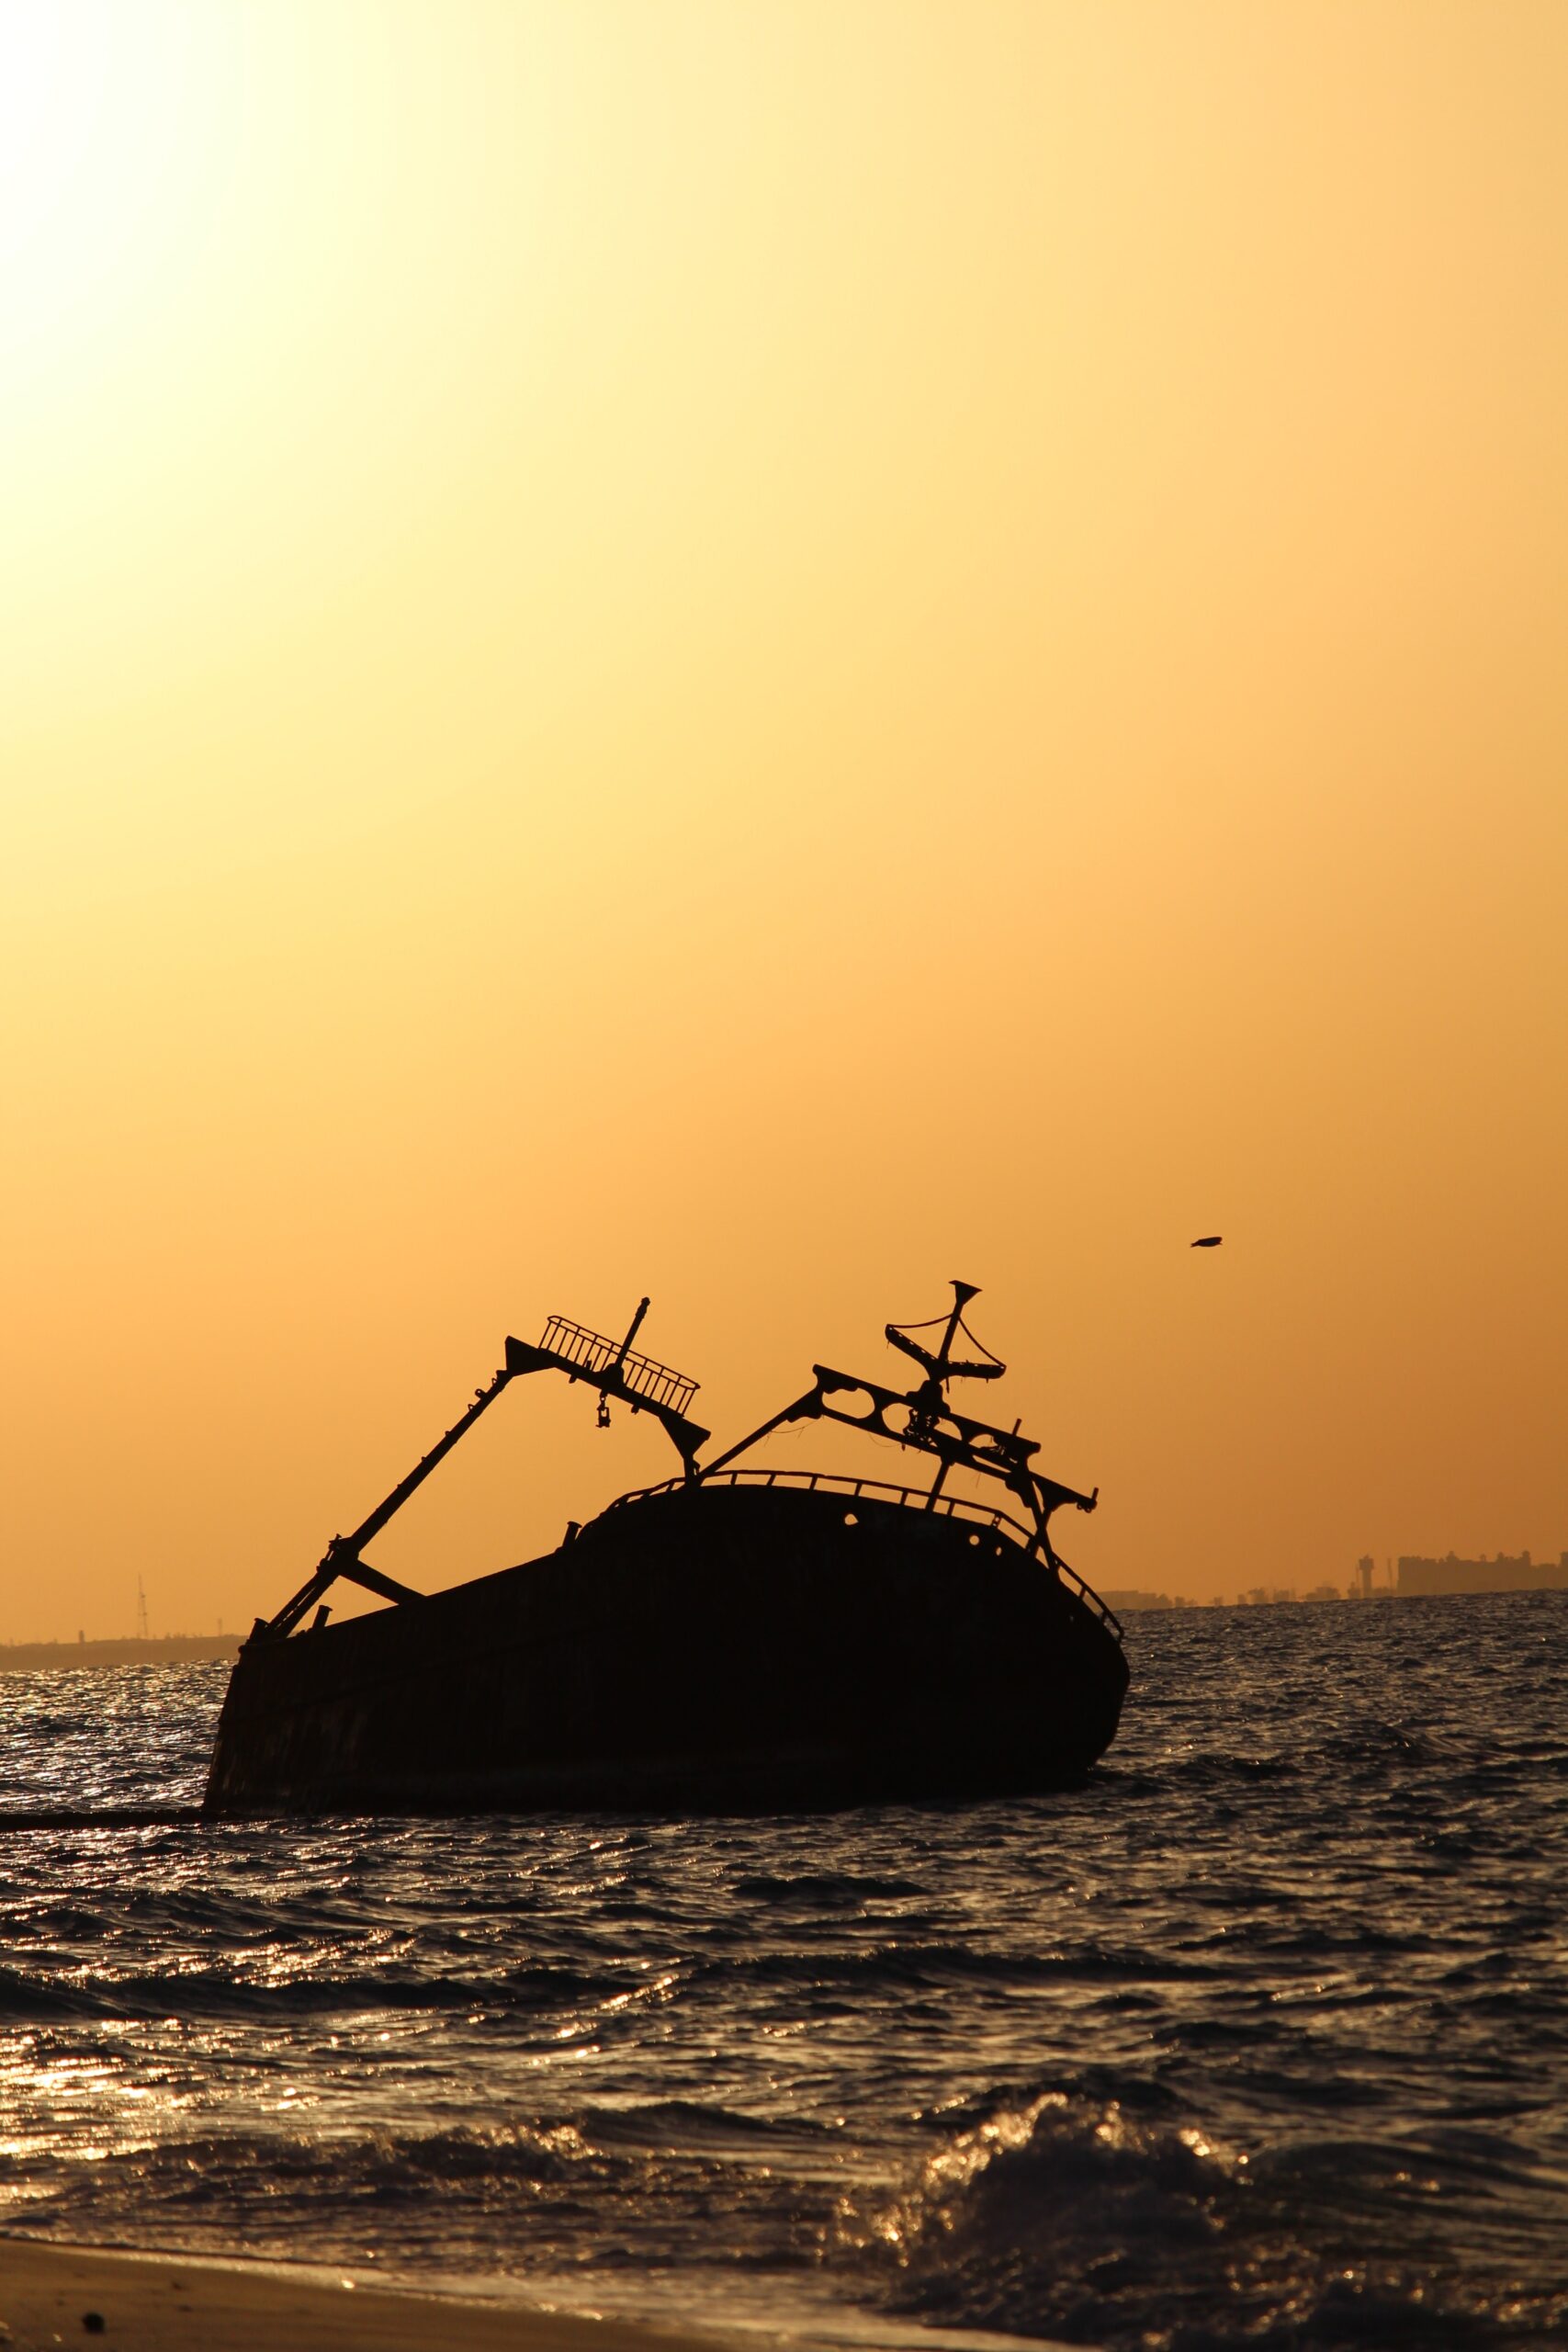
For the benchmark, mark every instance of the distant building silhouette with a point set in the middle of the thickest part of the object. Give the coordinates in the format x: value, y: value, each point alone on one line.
x: 1502, y: 1574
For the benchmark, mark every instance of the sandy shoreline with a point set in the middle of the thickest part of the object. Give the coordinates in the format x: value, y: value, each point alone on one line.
x: 50, y: 2295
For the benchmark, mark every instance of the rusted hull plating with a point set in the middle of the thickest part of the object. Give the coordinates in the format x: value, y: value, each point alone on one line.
x: 711, y: 1650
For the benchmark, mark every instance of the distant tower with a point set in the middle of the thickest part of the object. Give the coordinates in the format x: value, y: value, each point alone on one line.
x: 140, y: 1610
x: 1365, y: 1567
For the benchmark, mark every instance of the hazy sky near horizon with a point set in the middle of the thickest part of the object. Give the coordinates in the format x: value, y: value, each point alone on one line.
x: 766, y: 654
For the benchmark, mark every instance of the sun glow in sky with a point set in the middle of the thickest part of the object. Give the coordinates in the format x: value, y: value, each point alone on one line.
x: 769, y: 654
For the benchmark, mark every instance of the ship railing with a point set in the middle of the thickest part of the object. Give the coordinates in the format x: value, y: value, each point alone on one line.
x: 883, y: 1490
x: 573, y: 1343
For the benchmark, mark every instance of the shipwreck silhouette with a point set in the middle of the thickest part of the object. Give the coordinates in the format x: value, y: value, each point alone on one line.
x: 732, y: 1639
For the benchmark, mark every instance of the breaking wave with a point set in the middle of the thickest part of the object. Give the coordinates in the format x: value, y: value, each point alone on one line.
x: 1084, y: 2224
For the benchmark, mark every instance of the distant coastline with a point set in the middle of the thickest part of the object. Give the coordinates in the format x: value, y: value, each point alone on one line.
x: 164, y: 1649
x: 1417, y: 1579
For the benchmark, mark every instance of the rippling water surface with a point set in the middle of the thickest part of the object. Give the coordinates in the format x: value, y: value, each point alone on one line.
x: 1259, y: 2038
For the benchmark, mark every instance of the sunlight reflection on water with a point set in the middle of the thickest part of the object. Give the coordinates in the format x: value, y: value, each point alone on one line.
x: 1261, y: 2029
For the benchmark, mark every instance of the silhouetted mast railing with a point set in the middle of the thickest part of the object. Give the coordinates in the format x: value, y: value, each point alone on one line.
x: 609, y: 1366
x: 583, y: 1353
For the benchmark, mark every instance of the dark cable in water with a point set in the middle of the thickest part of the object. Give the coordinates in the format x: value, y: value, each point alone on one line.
x: 147, y: 1816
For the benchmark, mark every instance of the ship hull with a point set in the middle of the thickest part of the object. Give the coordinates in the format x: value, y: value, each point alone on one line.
x: 716, y: 1649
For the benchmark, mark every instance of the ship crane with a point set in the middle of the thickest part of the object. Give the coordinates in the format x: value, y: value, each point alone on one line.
x: 608, y: 1365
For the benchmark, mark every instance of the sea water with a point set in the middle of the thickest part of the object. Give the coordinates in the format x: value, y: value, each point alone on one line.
x: 1258, y: 2037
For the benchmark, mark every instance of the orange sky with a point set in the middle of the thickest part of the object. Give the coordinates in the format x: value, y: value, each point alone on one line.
x: 767, y: 654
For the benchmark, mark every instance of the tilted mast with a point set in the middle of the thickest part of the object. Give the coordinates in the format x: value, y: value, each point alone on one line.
x: 922, y: 1418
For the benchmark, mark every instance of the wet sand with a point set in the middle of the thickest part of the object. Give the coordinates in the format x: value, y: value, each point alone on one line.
x: 57, y: 2295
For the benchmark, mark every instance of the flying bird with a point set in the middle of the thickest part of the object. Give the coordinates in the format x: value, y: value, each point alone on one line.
x: 1208, y: 1241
